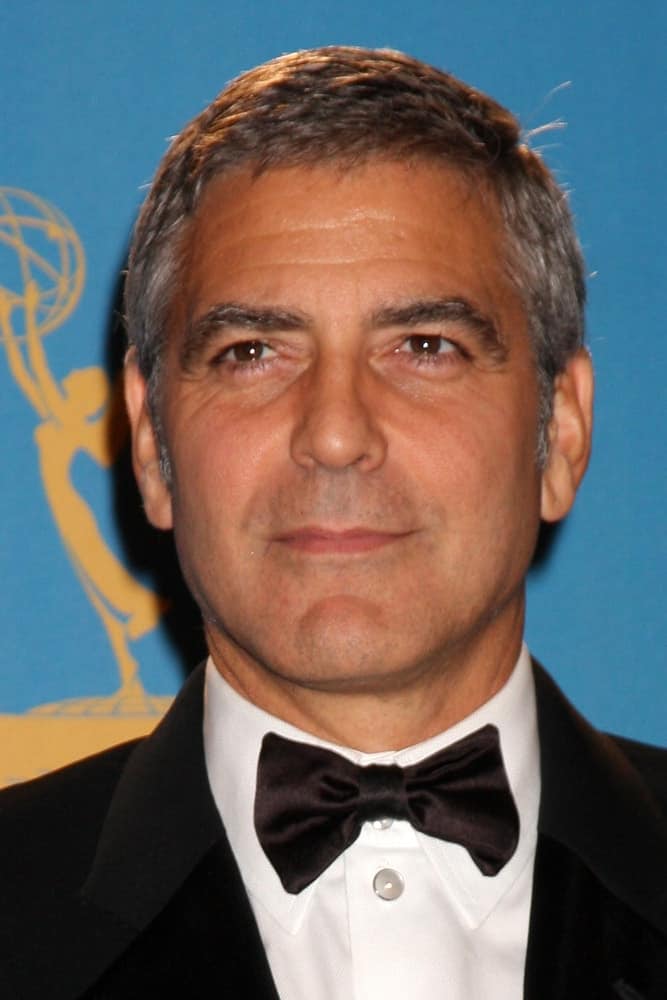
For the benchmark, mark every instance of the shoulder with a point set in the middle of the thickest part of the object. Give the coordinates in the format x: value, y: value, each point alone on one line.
x: 88, y: 780
x: 91, y: 854
x: 51, y: 824
x: 650, y: 762
x: 49, y: 832
x: 603, y: 800
x: 588, y: 774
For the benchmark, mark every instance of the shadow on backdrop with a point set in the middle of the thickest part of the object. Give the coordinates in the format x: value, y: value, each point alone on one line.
x: 546, y: 543
x: 146, y: 550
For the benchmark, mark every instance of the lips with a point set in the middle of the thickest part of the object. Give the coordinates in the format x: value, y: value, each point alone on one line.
x: 326, y: 541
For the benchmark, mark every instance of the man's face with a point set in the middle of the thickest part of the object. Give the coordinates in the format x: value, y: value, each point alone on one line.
x: 350, y: 409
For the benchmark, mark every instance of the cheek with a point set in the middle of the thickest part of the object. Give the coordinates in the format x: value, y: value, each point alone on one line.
x: 477, y: 461
x: 221, y: 462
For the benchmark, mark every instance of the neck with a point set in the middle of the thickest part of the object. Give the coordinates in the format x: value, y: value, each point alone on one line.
x: 384, y: 714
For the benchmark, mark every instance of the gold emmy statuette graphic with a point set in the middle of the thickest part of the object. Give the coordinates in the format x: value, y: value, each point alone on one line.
x: 75, y: 414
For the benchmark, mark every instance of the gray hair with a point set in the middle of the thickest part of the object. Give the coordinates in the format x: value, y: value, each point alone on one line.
x: 346, y: 105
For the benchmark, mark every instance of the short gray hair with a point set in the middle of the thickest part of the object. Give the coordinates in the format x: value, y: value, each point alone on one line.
x: 347, y: 105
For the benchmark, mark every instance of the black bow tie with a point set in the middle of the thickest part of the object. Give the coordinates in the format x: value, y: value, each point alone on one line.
x: 311, y: 803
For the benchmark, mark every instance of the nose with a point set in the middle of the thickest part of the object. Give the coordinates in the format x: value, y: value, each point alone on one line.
x: 338, y: 424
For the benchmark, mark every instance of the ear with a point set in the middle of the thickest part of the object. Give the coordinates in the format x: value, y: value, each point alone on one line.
x: 570, y: 430
x: 145, y: 448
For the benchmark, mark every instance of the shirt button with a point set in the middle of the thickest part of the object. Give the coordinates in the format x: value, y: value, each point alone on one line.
x: 388, y: 884
x: 382, y: 824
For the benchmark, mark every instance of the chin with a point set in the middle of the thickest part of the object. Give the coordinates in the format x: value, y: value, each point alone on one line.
x: 347, y: 660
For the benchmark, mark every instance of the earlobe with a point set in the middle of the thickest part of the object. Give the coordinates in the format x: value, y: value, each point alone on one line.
x: 145, y: 448
x: 570, y: 430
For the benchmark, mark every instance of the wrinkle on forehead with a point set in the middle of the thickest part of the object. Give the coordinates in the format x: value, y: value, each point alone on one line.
x: 248, y: 228
x: 242, y: 198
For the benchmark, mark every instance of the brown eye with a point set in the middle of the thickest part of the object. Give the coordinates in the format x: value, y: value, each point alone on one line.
x: 419, y: 344
x: 248, y: 350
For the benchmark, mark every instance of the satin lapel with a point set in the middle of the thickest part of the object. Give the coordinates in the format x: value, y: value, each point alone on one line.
x: 160, y: 910
x: 599, y: 912
x: 138, y: 819
x: 163, y: 867
x: 161, y: 820
x: 203, y: 944
x: 220, y: 919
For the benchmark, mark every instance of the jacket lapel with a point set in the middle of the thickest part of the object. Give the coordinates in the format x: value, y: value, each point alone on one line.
x: 164, y: 873
x: 599, y: 912
x: 203, y: 943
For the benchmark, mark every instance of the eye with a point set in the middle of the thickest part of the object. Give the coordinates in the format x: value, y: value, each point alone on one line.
x: 429, y: 345
x: 425, y: 346
x: 246, y: 352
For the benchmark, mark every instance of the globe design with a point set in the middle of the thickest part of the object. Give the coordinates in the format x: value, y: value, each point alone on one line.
x: 38, y: 245
x: 42, y: 273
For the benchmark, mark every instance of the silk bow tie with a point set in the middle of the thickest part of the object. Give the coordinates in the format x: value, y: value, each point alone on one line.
x: 311, y: 803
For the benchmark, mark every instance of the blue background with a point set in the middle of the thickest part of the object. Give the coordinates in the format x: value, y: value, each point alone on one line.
x: 90, y: 93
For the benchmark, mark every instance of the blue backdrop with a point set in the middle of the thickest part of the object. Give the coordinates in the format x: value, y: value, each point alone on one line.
x: 90, y: 94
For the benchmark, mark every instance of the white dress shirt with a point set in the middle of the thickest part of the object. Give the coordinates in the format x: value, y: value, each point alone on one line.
x: 448, y: 932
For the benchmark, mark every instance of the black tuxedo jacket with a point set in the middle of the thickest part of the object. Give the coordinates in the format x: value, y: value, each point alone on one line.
x: 117, y: 881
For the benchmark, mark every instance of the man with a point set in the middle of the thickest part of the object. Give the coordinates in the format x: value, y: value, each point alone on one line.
x: 356, y: 384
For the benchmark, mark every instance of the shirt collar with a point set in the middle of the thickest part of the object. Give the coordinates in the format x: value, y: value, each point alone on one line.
x: 233, y: 733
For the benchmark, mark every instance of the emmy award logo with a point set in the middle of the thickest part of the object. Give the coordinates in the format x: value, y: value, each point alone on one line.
x: 78, y: 413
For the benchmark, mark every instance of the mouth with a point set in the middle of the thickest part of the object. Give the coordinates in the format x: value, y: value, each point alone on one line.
x: 327, y: 541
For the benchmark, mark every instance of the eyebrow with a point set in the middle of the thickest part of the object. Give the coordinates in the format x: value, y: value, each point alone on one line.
x: 455, y: 310
x: 233, y: 314
x: 270, y: 319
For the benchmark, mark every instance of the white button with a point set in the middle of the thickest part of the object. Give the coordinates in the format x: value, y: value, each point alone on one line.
x: 388, y: 884
x: 382, y: 824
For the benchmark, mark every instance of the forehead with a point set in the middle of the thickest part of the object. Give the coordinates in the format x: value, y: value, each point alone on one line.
x: 381, y: 228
